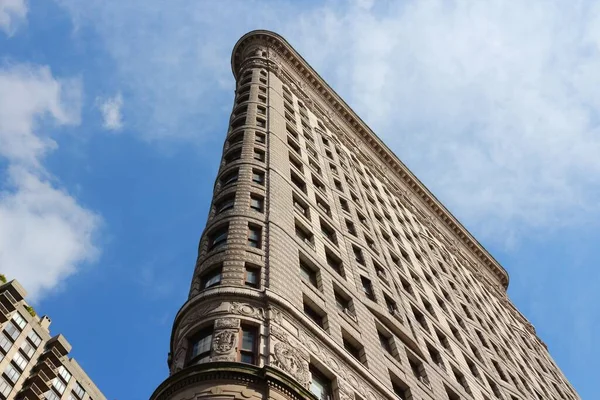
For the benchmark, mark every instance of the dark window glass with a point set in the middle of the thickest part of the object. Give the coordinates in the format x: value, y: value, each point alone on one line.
x: 201, y: 345
x: 367, y: 288
x: 218, y: 238
x: 313, y: 315
x: 248, y: 345
x: 320, y: 385
x: 225, y: 204
x: 252, y: 276
x: 254, y: 236
x: 211, y: 278
x: 256, y: 203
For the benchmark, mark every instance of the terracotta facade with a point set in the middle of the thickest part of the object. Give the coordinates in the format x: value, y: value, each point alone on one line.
x: 327, y: 270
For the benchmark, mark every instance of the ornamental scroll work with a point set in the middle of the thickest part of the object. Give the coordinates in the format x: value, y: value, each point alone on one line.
x: 289, y: 358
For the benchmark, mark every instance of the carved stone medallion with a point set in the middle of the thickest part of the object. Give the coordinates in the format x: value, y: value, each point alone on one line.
x: 224, y: 341
x: 288, y: 359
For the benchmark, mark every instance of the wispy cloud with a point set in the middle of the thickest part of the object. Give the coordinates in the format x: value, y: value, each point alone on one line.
x: 44, y: 233
x: 491, y: 105
x: 112, y: 118
x: 12, y: 14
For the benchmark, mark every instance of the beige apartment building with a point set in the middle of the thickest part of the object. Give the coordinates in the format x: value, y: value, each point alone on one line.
x: 34, y: 364
x: 328, y: 271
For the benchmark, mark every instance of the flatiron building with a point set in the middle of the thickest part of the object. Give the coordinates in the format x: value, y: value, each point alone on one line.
x: 327, y: 270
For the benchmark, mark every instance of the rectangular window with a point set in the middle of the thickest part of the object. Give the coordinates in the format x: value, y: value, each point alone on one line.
x: 233, y: 155
x: 254, y: 236
x: 435, y: 356
x: 258, y: 177
x: 323, y: 205
x: 19, y: 320
x: 20, y: 361
x: 417, y: 369
x: 218, y: 238
x: 64, y: 374
x: 298, y: 182
x: 350, y: 227
x: 460, y: 378
x: 334, y: 262
x: 320, y: 385
x: 5, y: 343
x: 344, y: 205
x: 301, y: 206
x: 308, y: 273
x: 59, y: 385
x: 211, y: 278
x: 230, y: 177
x: 296, y: 163
x: 256, y: 202
x: 304, y: 235
x: 384, y: 341
x: 342, y: 301
x: 78, y: 390
x: 259, y: 155
x: 400, y: 388
x: 353, y: 347
x: 225, y: 204
x: 201, y: 346
x: 261, y: 123
x: 27, y: 349
x: 248, y: 344
x: 252, y: 276
x: 259, y: 137
x: 315, y: 316
x: 12, y: 373
x: 358, y: 255
x: 34, y: 338
x: 5, y: 387
x: 367, y: 288
x: 11, y: 330
x: 328, y: 232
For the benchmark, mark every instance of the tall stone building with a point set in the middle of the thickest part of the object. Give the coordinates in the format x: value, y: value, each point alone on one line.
x: 34, y: 364
x: 328, y: 271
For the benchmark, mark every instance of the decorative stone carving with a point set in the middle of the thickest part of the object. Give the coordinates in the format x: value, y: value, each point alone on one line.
x: 197, y: 314
x: 288, y: 359
x: 179, y: 359
x: 227, y: 323
x: 224, y: 341
x: 247, y: 310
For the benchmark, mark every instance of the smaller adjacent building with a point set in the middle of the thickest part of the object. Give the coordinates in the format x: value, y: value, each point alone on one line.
x: 33, y: 363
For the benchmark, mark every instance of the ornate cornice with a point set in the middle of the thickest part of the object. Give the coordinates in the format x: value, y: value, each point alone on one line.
x: 343, y: 112
x: 233, y: 372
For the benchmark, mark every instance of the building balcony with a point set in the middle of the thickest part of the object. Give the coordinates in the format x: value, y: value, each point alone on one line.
x: 31, y: 392
x: 40, y: 380
x: 11, y: 293
x: 52, y: 355
x: 60, y: 344
x: 3, y: 314
x: 8, y: 301
x: 47, y: 366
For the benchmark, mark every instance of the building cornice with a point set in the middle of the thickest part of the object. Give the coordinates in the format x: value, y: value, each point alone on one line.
x: 344, y: 113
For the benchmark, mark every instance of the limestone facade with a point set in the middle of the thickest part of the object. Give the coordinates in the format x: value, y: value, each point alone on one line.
x: 328, y: 271
x: 34, y: 364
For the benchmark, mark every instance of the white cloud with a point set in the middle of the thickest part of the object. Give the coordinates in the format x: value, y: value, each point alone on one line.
x: 44, y: 233
x: 492, y: 105
x: 111, y: 112
x: 12, y: 14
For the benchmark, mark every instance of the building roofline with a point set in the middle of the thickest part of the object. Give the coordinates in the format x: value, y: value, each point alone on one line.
x: 369, y: 138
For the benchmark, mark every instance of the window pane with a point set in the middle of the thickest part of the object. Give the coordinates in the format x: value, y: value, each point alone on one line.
x: 248, y: 339
x: 11, y: 330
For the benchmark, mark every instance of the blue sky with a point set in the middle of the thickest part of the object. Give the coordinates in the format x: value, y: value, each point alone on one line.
x: 113, y: 114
